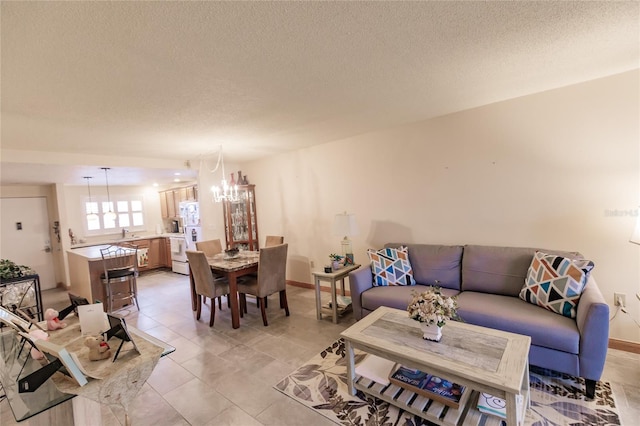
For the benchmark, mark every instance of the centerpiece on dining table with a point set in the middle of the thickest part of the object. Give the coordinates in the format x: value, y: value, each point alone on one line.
x: 231, y: 253
x: 432, y: 310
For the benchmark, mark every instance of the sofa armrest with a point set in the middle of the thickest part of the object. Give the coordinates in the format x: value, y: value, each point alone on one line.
x: 360, y: 280
x: 592, y: 319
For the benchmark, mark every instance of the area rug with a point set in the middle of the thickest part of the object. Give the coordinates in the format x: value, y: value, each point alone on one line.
x: 556, y: 399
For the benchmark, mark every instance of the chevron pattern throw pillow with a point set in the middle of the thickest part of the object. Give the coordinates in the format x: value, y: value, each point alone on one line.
x: 391, y: 266
x: 556, y: 283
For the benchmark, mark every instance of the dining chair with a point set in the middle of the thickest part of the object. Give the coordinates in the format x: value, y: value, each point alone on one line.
x: 270, y: 241
x: 271, y: 279
x: 120, y: 264
x: 273, y: 240
x: 205, y: 283
x: 211, y: 248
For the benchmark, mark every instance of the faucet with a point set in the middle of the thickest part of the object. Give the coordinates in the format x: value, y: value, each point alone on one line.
x: 124, y: 232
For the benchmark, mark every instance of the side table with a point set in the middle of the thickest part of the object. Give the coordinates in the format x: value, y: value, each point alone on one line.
x: 331, y: 277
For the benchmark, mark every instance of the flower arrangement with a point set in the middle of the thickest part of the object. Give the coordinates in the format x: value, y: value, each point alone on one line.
x: 431, y: 307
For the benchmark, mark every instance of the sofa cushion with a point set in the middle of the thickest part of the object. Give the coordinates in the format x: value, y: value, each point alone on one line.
x: 391, y: 266
x: 435, y: 264
x: 395, y: 296
x: 556, y: 282
x: 499, y: 270
x: 514, y: 315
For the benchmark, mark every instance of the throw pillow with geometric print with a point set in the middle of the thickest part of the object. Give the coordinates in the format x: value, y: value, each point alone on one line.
x: 556, y: 283
x: 391, y: 266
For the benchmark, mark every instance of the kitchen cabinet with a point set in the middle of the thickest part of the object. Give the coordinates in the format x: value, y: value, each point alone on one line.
x: 163, y: 204
x: 171, y: 204
x: 170, y: 200
x: 151, y: 253
x: 167, y: 253
x: 240, y: 220
x: 156, y: 259
x: 143, y: 254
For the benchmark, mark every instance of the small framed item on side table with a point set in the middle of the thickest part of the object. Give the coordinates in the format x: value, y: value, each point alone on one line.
x: 119, y: 329
x: 93, y: 320
x: 58, y: 359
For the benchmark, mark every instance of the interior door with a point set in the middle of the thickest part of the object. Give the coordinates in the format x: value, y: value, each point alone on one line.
x: 25, y: 238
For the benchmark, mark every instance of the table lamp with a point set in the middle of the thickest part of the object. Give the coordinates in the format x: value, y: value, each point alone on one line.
x: 345, y: 224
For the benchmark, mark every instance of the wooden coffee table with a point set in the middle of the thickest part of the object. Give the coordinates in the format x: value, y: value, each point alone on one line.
x: 482, y: 359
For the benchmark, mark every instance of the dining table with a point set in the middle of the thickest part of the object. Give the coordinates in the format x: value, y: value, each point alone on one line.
x: 232, y: 267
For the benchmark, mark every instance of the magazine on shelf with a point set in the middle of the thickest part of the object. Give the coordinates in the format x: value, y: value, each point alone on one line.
x: 342, y: 301
x: 375, y: 368
x: 490, y: 404
x: 428, y: 385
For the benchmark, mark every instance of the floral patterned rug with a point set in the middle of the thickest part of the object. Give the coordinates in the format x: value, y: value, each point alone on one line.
x: 556, y: 399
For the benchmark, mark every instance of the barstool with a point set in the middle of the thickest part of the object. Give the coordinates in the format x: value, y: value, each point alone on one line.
x: 120, y: 265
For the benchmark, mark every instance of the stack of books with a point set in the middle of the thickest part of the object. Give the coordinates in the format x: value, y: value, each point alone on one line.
x: 490, y: 404
x: 428, y: 385
x: 342, y: 301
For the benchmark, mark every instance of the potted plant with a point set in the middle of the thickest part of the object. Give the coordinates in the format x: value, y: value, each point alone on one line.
x: 335, y: 261
x: 9, y: 270
x: 432, y: 310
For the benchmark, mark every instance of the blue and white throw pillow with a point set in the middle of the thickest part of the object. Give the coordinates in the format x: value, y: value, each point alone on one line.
x: 556, y: 283
x: 391, y: 266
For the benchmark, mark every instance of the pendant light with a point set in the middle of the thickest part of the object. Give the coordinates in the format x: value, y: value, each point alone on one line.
x: 224, y: 192
x: 91, y: 215
x: 110, y: 215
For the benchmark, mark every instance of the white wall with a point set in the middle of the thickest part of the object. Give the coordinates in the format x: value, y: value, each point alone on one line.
x: 546, y: 170
x: 74, y: 197
x: 211, y: 213
x: 48, y: 192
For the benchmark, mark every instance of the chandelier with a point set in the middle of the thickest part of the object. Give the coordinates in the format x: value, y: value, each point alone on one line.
x: 226, y: 191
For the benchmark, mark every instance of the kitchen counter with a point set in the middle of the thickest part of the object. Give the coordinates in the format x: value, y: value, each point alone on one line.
x: 89, y: 252
x: 116, y: 240
x: 85, y: 267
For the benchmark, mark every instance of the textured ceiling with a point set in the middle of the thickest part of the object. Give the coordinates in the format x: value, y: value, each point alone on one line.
x: 153, y: 84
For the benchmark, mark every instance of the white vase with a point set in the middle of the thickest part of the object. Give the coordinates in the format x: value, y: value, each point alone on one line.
x: 431, y: 332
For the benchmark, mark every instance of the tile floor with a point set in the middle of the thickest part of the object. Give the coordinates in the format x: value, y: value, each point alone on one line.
x: 222, y: 376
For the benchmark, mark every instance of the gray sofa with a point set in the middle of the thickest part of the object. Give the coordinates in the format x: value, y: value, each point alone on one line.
x: 487, y: 281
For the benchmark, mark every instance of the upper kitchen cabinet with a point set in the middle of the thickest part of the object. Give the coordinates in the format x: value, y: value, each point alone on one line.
x: 240, y: 221
x: 170, y: 200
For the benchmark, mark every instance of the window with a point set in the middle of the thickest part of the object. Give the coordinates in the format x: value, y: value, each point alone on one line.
x: 129, y: 214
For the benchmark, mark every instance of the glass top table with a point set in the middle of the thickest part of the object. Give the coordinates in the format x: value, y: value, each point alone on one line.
x: 16, y: 363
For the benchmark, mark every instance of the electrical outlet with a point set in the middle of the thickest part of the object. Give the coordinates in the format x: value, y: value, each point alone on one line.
x: 312, y: 264
x: 620, y: 299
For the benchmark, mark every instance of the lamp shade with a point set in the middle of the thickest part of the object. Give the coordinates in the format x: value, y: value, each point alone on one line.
x: 345, y: 225
x: 635, y: 237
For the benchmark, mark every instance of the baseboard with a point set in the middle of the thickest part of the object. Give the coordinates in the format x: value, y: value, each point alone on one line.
x: 313, y: 287
x: 625, y: 345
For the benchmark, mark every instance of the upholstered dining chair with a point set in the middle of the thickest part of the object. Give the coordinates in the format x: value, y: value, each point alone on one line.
x: 273, y: 240
x: 271, y: 279
x: 211, y: 248
x: 205, y: 283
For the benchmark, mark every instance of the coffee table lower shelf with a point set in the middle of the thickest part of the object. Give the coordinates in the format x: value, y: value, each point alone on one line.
x: 426, y: 408
x: 419, y: 405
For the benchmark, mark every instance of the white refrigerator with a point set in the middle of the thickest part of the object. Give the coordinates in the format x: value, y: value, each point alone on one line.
x: 192, y: 234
